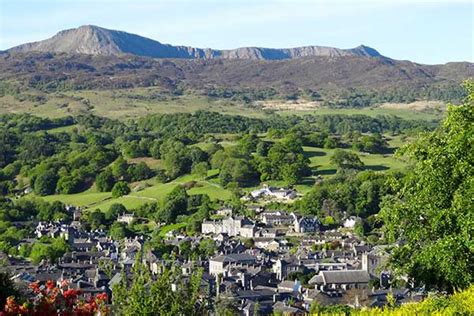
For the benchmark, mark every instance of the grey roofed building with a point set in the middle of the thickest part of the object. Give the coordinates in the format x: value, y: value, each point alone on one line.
x: 115, y: 279
x: 222, y: 263
x: 346, y: 276
x: 234, y: 257
x: 286, y: 309
x: 344, y: 279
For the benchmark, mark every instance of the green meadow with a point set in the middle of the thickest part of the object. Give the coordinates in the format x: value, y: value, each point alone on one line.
x: 149, y: 191
x: 152, y: 192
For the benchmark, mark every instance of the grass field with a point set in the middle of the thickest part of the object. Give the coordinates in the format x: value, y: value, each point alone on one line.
x: 153, y: 192
x: 115, y: 104
x: 408, y: 114
x: 88, y: 198
x: 124, y: 104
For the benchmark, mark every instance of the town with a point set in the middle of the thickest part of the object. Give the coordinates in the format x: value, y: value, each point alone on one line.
x: 279, y: 262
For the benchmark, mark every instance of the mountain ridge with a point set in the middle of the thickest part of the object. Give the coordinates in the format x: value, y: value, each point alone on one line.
x: 95, y: 40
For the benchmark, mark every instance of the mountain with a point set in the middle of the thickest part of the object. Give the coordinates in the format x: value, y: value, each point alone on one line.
x: 331, y: 77
x: 94, y: 40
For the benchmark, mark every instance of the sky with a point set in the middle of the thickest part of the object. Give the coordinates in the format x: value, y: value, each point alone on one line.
x: 429, y: 32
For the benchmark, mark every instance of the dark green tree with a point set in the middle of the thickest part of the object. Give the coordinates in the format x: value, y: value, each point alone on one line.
x: 105, y: 180
x: 176, y: 203
x: 45, y: 183
x: 346, y: 160
x: 120, y: 169
x: 120, y: 188
x: 7, y: 288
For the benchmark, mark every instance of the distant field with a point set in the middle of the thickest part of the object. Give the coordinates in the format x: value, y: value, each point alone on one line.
x: 153, y: 192
x: 115, y: 104
x: 83, y: 199
x: 408, y: 114
x: 131, y: 103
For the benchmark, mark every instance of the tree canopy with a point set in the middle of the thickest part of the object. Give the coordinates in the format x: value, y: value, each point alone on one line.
x: 432, y: 215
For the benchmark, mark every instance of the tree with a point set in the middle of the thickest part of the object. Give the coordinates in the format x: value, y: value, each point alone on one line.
x: 248, y: 143
x: 374, y: 143
x: 68, y: 184
x: 236, y: 170
x: 330, y: 142
x: 114, y: 211
x: 359, y: 229
x: 48, y: 211
x: 120, y: 168
x: 433, y: 212
x: 45, y: 183
x: 120, y: 188
x: 143, y: 295
x: 176, y: 203
x: 96, y: 219
x: 105, y: 180
x: 200, y: 169
x: 118, y: 231
x: 226, y: 307
x: 7, y: 288
x: 346, y: 159
x: 289, y: 174
x: 207, y: 247
x: 50, y: 250
x: 249, y: 243
x: 262, y: 148
x: 140, y: 171
x: 175, y: 156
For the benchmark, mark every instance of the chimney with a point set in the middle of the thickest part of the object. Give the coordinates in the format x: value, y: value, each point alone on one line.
x: 365, y: 262
x: 218, y: 285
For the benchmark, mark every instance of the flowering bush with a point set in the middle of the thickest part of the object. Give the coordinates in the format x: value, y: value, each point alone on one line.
x: 59, y: 301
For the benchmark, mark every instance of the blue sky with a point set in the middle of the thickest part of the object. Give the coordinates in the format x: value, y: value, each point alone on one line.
x: 419, y: 30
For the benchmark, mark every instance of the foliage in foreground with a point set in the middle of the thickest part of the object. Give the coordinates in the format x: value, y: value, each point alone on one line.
x: 53, y: 300
x: 169, y: 294
x: 460, y: 303
x: 432, y: 214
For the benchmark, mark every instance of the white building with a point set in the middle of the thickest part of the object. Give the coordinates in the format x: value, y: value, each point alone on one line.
x: 276, y: 193
x: 350, y: 222
x: 221, y: 264
x: 226, y: 211
x: 232, y: 226
x: 126, y: 218
x: 276, y: 218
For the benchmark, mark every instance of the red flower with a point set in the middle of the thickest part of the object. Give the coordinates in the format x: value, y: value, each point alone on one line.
x: 50, y: 285
x: 71, y: 294
x: 35, y: 286
x: 64, y: 284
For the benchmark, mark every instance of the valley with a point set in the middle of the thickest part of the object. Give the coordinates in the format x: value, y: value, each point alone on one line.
x: 144, y: 178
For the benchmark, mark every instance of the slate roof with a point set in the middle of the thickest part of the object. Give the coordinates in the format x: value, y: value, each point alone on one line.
x: 234, y: 257
x: 345, y: 276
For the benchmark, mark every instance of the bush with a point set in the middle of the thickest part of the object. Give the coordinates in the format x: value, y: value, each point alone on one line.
x: 121, y: 188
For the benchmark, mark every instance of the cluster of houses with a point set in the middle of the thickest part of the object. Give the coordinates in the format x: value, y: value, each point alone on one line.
x: 285, y: 268
x: 266, y: 225
x: 272, y: 193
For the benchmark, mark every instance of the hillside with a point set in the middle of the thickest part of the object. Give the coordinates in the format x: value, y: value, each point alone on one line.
x: 94, y: 40
x: 359, y: 79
